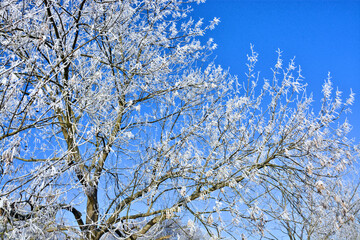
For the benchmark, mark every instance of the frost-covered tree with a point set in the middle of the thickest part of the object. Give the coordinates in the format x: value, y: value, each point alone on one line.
x: 332, y: 214
x: 114, y: 121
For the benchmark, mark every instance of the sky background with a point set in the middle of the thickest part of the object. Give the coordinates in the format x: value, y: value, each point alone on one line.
x: 324, y: 36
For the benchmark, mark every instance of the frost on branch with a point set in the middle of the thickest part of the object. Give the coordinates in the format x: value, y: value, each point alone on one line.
x: 115, y: 124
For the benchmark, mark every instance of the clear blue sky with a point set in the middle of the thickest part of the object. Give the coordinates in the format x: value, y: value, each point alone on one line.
x: 323, y: 35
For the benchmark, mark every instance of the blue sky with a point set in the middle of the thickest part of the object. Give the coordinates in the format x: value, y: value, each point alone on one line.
x: 323, y: 35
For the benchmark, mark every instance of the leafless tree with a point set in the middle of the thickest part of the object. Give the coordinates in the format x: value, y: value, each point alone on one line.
x: 114, y: 120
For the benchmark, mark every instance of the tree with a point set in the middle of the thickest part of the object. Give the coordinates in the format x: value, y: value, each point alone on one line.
x: 329, y: 215
x: 115, y: 121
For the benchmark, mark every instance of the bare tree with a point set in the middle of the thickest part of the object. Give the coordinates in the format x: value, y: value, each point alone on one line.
x: 114, y: 121
x: 328, y: 213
